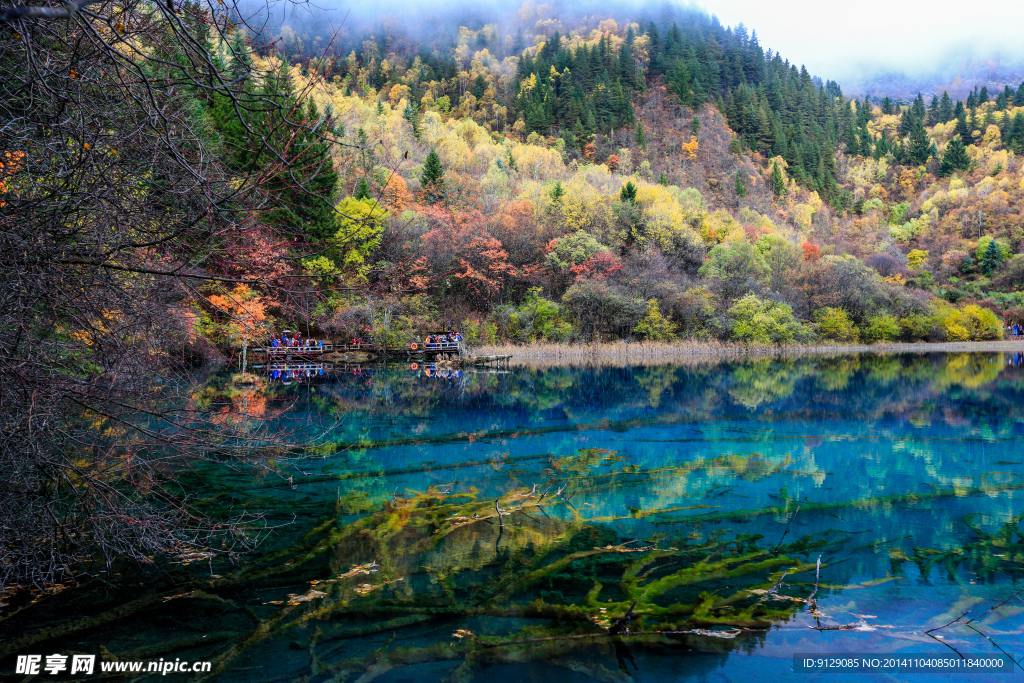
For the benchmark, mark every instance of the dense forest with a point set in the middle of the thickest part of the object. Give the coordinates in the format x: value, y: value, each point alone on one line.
x: 552, y: 178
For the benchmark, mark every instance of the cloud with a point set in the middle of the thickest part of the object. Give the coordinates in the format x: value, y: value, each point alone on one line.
x: 841, y: 40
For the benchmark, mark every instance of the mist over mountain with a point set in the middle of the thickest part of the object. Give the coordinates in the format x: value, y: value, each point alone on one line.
x: 900, y: 45
x: 960, y: 72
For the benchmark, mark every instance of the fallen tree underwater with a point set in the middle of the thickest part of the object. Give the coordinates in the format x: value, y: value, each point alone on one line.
x: 438, y: 559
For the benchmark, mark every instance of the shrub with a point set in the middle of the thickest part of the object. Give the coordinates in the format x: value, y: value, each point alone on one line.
x: 971, y: 323
x: 738, y: 266
x: 538, y: 318
x: 835, y: 323
x: 916, y: 327
x: 654, y: 326
x: 692, y: 310
x: 601, y: 309
x: 882, y: 328
x: 764, y: 322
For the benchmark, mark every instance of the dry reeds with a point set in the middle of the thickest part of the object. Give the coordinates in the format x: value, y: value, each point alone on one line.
x: 541, y: 354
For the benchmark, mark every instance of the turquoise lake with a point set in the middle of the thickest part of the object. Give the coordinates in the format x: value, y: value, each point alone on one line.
x: 690, y: 489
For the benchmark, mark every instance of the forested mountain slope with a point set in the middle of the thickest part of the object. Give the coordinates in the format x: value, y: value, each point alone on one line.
x: 644, y: 179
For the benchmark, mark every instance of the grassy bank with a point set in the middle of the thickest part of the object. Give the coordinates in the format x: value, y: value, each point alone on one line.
x: 652, y: 353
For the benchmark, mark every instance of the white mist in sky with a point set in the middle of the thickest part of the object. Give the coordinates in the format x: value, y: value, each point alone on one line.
x: 843, y: 39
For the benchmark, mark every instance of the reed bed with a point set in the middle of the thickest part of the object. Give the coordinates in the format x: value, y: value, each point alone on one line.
x: 540, y: 354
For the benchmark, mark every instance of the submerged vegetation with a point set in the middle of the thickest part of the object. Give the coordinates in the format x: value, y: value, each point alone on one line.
x: 508, y: 545
x: 175, y: 184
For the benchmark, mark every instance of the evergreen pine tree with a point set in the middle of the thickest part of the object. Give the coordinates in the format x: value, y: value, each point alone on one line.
x: 919, y: 144
x: 945, y: 108
x: 557, y: 192
x: 432, y: 178
x: 662, y: 180
x: 961, y: 128
x: 955, y: 158
x: 777, y: 182
x: 741, y: 191
x: 991, y: 258
x: 302, y: 192
x: 628, y: 192
x: 1014, y: 138
x: 641, y: 139
x: 362, y: 189
x: 412, y: 115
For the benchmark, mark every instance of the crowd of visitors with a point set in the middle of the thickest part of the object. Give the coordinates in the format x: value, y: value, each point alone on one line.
x: 435, y: 340
x: 294, y: 341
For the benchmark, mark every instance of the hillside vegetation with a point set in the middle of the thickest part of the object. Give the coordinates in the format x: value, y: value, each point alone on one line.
x: 594, y: 178
x: 628, y: 181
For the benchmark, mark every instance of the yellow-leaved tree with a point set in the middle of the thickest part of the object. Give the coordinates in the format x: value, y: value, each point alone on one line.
x: 361, y: 228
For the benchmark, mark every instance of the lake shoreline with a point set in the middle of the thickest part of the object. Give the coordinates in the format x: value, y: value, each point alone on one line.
x: 647, y: 353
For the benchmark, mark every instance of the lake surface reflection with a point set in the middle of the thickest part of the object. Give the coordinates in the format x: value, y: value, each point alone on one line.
x: 498, y: 526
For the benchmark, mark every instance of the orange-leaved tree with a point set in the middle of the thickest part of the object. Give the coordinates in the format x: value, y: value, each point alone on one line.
x: 240, y: 314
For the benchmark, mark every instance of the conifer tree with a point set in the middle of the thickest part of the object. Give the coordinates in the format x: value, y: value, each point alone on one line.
x: 1014, y: 138
x: 432, y: 178
x: 920, y: 146
x: 362, y: 189
x: 412, y: 115
x: 641, y: 139
x: 955, y: 158
x: 961, y: 128
x: 741, y: 191
x: 991, y: 258
x: 628, y: 192
x: 777, y: 182
x: 303, y: 191
x: 945, y: 108
x: 557, y: 192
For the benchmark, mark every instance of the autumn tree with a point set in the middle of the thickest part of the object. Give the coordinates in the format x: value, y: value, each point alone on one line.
x: 484, y: 269
x: 238, y: 316
x: 738, y: 267
x: 755, y: 320
x: 654, y: 326
x: 835, y: 324
x: 123, y: 213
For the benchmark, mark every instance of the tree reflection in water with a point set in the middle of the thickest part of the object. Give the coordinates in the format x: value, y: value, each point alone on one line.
x: 591, y: 521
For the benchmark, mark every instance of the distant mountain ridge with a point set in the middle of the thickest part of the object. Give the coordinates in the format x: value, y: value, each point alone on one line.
x: 958, y: 79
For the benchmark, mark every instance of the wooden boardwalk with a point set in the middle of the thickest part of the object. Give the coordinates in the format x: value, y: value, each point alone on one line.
x: 412, y: 350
